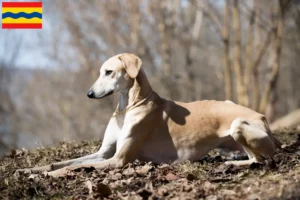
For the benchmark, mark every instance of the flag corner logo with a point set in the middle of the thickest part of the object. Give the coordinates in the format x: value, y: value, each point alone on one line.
x: 22, y: 15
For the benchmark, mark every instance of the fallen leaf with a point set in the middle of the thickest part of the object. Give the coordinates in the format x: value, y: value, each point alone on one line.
x: 253, y: 197
x: 211, y: 197
x: 228, y: 192
x: 171, y: 177
x: 144, y: 170
x: 33, y: 176
x: 144, y: 193
x: 163, y: 166
x: 191, y: 177
x: 103, y: 190
x: 98, y: 190
x: 162, y: 191
x: 222, y: 168
x: 116, y: 176
x: 128, y: 172
x: 207, y: 186
x: 89, y: 185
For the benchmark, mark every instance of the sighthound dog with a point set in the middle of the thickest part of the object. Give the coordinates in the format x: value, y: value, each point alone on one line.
x: 150, y: 128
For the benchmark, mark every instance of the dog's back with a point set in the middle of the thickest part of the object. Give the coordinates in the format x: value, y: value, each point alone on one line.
x: 205, y: 116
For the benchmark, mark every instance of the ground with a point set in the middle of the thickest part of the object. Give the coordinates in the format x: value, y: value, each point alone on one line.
x: 278, y: 178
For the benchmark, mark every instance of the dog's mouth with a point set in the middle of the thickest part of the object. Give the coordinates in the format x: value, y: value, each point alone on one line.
x: 105, y: 94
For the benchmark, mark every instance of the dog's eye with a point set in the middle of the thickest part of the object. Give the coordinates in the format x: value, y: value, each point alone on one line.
x: 108, y: 72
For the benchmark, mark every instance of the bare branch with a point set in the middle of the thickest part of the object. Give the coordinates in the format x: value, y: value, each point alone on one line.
x: 211, y: 13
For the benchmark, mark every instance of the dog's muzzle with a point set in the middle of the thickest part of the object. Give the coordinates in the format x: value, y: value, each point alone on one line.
x: 91, y: 95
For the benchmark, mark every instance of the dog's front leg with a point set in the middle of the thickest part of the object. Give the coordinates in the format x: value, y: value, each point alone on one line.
x: 107, y: 150
x: 126, y: 154
x: 112, y: 162
x: 128, y: 146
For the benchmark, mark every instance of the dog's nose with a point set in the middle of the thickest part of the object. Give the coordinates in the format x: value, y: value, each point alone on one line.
x: 91, y: 94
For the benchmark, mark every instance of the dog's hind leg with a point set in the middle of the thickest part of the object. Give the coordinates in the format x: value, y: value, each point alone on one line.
x: 253, y: 137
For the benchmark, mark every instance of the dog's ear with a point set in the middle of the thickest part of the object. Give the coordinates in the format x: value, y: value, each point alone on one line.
x: 132, y: 64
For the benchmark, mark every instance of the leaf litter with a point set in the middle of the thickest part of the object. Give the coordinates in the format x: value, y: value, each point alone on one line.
x: 210, y: 178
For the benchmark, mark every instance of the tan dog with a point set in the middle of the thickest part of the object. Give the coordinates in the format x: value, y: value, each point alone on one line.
x: 148, y: 127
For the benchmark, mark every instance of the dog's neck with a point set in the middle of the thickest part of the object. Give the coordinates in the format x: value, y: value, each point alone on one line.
x: 139, y: 91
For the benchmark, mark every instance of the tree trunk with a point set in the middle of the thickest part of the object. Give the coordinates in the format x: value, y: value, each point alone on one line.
x: 226, y: 59
x: 242, y: 96
x: 272, y: 83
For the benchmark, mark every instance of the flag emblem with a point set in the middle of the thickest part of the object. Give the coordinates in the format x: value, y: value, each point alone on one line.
x: 22, y: 15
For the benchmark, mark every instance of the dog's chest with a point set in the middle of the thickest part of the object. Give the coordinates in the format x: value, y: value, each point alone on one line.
x: 120, y: 120
x: 158, y: 147
x: 158, y: 152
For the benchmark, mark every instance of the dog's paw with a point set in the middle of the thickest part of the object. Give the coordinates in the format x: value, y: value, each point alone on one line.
x: 25, y: 171
x: 59, y: 172
x: 241, y: 162
x: 228, y: 163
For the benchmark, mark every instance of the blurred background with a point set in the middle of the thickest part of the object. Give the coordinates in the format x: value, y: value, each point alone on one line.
x: 246, y: 51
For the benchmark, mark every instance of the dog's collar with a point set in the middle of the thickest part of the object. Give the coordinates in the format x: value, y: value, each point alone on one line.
x: 118, y: 112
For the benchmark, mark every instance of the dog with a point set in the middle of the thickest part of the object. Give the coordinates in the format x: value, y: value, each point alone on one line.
x: 150, y: 128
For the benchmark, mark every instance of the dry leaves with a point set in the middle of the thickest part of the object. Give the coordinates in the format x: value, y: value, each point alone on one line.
x: 97, y: 190
x: 279, y: 178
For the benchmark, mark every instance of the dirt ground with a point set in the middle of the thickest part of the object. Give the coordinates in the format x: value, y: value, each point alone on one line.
x: 278, y: 178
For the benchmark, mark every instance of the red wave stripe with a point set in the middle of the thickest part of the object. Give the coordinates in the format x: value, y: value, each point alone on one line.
x: 22, y: 26
x: 22, y: 4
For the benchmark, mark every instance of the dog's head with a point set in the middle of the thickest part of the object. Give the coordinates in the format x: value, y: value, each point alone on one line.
x: 116, y: 75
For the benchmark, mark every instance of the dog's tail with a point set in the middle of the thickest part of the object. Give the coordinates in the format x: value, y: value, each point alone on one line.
x: 277, y: 143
